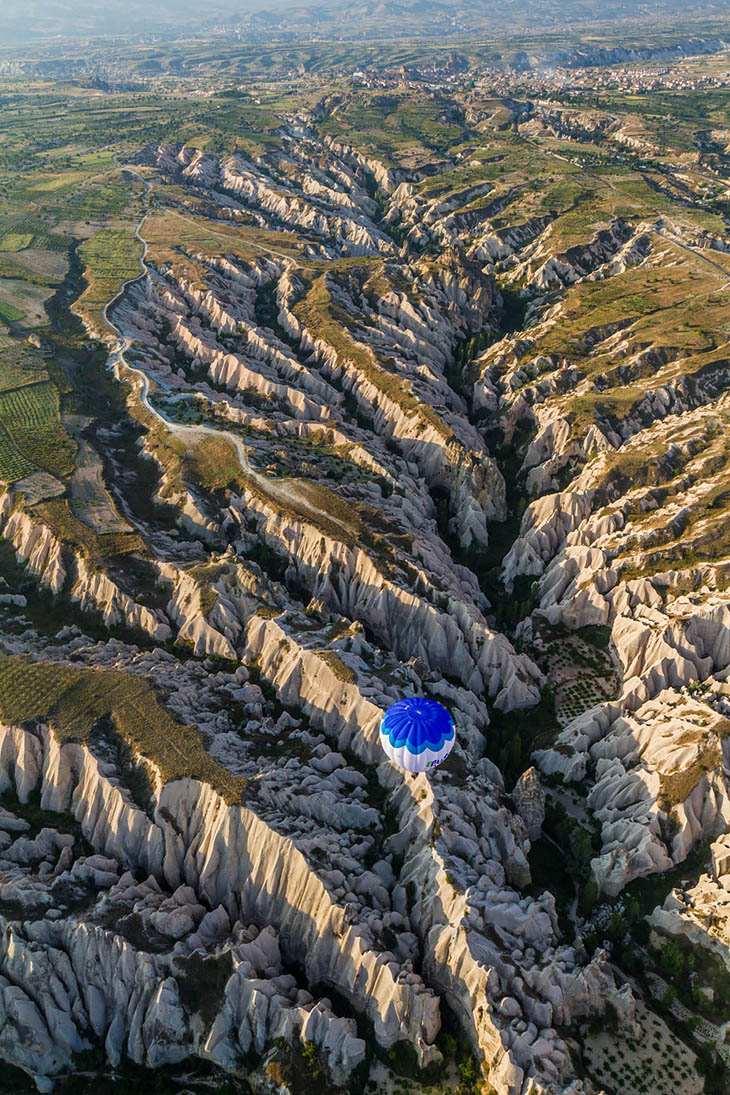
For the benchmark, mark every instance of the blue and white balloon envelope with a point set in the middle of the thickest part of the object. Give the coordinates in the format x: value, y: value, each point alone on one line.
x: 417, y: 733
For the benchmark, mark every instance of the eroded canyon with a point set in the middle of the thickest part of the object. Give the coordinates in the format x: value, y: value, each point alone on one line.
x: 344, y: 415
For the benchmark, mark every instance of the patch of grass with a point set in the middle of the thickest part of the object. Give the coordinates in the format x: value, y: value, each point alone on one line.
x: 57, y: 515
x: 9, y: 313
x: 181, y: 239
x: 338, y: 667
x: 676, y: 787
x: 214, y: 464
x: 30, y: 415
x: 16, y: 241
x: 74, y: 700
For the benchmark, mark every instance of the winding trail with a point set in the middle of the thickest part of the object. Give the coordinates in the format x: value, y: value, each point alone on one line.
x: 278, y: 490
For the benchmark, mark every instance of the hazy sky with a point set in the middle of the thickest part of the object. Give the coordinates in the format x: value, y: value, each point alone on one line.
x: 19, y: 18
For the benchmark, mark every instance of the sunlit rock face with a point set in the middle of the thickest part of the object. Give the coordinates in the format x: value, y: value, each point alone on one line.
x: 391, y: 427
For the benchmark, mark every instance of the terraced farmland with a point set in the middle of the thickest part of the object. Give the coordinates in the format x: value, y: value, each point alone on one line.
x: 14, y: 464
x: 32, y: 230
x: 19, y: 365
x: 110, y: 258
x: 30, y: 417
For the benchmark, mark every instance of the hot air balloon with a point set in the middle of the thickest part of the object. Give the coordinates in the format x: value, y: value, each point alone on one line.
x: 417, y: 733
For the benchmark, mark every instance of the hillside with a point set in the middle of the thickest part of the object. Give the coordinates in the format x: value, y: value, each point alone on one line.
x: 316, y: 393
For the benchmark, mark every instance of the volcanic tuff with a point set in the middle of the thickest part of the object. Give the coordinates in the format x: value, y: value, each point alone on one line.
x: 384, y: 426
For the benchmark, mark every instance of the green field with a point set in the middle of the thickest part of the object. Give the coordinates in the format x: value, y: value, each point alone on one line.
x: 14, y: 464
x: 10, y: 313
x: 30, y: 418
x: 20, y: 364
x: 66, y: 527
x: 74, y: 700
x: 32, y: 230
x: 110, y: 258
x: 391, y: 123
x: 16, y: 241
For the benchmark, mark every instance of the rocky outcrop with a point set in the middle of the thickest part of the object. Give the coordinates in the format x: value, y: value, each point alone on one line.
x: 225, y: 855
x: 529, y: 799
x: 94, y: 590
x: 457, y: 642
x: 341, y: 441
x: 462, y: 852
x: 53, y: 564
x: 34, y: 544
x: 211, y: 604
x: 263, y: 188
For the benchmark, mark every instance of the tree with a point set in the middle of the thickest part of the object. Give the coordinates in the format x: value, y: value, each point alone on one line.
x: 616, y: 926
x: 674, y: 962
x: 587, y: 897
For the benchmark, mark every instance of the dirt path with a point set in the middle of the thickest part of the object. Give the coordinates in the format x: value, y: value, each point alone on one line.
x: 278, y: 490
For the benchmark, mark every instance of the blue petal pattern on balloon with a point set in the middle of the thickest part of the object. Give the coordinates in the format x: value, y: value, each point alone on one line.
x: 418, y: 724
